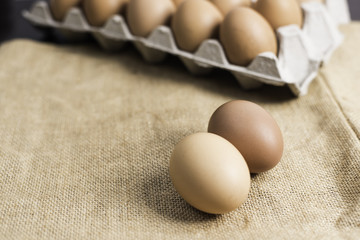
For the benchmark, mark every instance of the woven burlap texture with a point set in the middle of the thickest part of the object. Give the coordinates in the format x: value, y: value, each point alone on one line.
x: 86, y: 137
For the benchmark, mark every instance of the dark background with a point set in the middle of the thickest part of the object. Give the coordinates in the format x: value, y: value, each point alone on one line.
x: 13, y: 25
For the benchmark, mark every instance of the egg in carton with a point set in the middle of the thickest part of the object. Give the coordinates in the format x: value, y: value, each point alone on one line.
x: 300, y: 54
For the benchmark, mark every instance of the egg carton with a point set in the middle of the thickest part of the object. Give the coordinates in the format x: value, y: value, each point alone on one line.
x: 301, y: 51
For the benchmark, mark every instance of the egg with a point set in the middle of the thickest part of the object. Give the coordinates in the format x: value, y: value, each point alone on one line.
x: 244, y: 34
x: 59, y: 8
x: 194, y: 22
x: 99, y: 11
x: 226, y: 5
x: 252, y: 131
x: 209, y: 173
x: 144, y: 16
x: 279, y: 12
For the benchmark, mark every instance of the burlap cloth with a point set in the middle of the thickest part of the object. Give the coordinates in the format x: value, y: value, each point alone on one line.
x: 86, y: 135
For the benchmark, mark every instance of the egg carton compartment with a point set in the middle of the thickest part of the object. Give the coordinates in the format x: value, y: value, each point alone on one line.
x: 301, y: 51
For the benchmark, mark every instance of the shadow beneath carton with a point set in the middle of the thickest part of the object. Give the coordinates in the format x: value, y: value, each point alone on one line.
x: 224, y: 83
x: 218, y: 81
x: 172, y: 69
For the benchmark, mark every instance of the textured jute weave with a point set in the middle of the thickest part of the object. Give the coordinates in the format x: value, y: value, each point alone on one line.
x: 86, y: 136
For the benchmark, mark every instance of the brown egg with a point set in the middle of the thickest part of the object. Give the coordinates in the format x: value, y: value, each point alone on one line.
x: 99, y: 11
x: 194, y: 22
x: 244, y: 34
x: 226, y: 6
x: 279, y: 12
x: 209, y: 173
x: 252, y: 131
x: 59, y: 8
x: 144, y: 16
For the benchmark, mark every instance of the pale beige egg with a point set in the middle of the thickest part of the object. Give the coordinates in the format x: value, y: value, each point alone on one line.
x: 209, y: 173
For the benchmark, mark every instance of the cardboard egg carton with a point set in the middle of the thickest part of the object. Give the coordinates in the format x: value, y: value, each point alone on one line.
x: 301, y: 51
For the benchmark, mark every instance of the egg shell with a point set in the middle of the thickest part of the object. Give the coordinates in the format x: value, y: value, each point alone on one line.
x: 280, y: 13
x: 144, y: 16
x: 192, y: 26
x: 226, y: 6
x: 209, y: 173
x: 252, y: 130
x: 99, y: 11
x: 244, y: 34
x: 59, y: 8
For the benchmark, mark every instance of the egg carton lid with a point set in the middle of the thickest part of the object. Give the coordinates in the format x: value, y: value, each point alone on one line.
x: 301, y: 51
